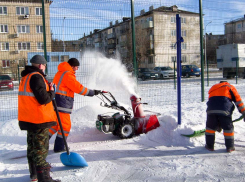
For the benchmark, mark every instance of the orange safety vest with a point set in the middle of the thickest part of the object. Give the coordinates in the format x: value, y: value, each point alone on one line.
x: 220, y: 91
x: 67, y: 85
x: 29, y: 110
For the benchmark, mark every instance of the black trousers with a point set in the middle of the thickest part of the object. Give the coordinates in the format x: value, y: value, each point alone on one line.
x: 214, y: 122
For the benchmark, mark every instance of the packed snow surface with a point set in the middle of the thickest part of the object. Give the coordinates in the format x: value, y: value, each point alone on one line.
x: 160, y: 155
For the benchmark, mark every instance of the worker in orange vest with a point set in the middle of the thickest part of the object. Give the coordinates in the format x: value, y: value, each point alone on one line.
x: 67, y: 85
x: 36, y: 114
x: 219, y: 113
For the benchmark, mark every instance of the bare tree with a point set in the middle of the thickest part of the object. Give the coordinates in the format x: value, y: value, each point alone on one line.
x: 142, y: 42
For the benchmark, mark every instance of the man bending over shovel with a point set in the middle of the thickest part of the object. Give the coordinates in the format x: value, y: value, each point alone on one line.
x: 219, y: 112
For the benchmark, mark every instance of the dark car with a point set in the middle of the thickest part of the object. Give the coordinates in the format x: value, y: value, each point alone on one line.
x: 147, y: 73
x: 6, y: 83
x: 190, y: 70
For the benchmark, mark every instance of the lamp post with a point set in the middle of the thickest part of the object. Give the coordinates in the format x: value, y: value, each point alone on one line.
x: 206, y: 52
x: 63, y: 34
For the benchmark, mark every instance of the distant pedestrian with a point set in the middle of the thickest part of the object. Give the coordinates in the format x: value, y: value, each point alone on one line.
x: 36, y: 115
x: 67, y: 85
x: 219, y: 113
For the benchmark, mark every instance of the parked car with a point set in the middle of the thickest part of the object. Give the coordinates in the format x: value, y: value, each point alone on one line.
x: 6, y: 82
x: 147, y: 73
x: 190, y: 70
x: 165, y: 72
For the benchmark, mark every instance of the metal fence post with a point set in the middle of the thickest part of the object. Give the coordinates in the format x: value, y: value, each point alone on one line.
x: 44, y: 35
x: 133, y: 40
x: 179, y: 40
x: 201, y: 47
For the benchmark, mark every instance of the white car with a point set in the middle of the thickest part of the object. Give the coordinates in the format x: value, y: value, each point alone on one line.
x: 165, y: 72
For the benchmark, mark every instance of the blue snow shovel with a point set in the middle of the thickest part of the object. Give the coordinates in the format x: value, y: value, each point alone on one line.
x: 69, y: 158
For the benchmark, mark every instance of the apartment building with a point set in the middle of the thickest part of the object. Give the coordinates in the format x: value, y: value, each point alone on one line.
x: 235, y: 31
x: 155, y: 38
x: 213, y: 41
x: 21, y: 31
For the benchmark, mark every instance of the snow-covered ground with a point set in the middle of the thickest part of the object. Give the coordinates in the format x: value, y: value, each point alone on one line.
x: 160, y: 155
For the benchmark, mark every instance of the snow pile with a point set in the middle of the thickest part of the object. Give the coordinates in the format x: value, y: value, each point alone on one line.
x: 160, y: 155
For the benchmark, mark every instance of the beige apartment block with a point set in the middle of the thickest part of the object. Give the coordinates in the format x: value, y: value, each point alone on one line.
x: 155, y: 34
x: 21, y: 32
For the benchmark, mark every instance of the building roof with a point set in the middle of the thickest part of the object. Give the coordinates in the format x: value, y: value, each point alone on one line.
x: 173, y: 8
x: 27, y: 1
x: 236, y: 20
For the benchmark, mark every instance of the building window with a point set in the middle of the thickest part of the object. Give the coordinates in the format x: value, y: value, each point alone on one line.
x: 23, y: 46
x: 40, y: 46
x: 39, y: 28
x: 23, y: 28
x: 64, y: 58
x: 183, y: 46
x: 183, y: 20
x: 39, y: 11
x: 183, y: 59
x: 173, y: 19
x: 239, y: 25
x: 54, y: 58
x: 173, y: 32
x: 5, y: 63
x: 3, y: 28
x: 173, y: 58
x: 3, y: 10
x: 5, y: 46
x: 149, y: 18
x: 22, y: 10
x: 183, y: 33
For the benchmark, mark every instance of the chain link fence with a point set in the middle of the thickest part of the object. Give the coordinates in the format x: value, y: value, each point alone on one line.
x: 99, y: 34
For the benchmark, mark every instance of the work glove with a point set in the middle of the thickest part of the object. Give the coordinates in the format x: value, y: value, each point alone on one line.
x: 96, y: 92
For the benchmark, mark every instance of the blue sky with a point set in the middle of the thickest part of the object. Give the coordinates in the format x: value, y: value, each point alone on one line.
x: 83, y: 16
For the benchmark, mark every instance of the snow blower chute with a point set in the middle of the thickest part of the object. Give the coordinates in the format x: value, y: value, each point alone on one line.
x: 124, y: 125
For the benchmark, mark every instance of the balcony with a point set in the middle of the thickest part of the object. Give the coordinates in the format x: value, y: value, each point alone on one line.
x: 150, y: 51
x: 97, y: 39
x: 148, y: 24
x: 124, y: 54
x: 151, y: 37
x: 98, y: 45
x: 123, y: 44
x: 111, y: 46
x: 111, y: 36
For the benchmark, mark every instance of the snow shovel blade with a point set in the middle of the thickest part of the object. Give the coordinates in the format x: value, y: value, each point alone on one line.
x: 73, y: 159
x: 195, y: 133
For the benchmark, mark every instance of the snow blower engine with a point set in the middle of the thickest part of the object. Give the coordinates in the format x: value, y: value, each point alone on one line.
x: 124, y: 125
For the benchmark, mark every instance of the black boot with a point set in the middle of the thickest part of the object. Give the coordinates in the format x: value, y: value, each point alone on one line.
x: 43, y: 174
x: 59, y: 145
x: 33, y: 172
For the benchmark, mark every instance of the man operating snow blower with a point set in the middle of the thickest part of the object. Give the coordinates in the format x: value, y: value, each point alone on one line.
x: 67, y: 85
x: 219, y: 112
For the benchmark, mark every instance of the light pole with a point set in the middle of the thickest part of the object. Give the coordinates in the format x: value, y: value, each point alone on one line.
x: 64, y: 49
x: 206, y: 52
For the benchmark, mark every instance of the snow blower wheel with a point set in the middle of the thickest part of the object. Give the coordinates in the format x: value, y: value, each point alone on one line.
x: 126, y: 130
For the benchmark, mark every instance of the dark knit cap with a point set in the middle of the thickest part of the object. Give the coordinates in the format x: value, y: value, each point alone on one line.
x: 37, y: 59
x: 73, y: 62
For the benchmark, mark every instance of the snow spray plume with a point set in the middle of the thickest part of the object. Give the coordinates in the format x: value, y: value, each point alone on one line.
x: 107, y: 74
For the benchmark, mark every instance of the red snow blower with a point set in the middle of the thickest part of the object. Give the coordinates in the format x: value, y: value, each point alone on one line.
x: 124, y: 125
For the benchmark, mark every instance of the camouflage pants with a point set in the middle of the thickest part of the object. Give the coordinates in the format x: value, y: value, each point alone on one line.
x: 37, y: 146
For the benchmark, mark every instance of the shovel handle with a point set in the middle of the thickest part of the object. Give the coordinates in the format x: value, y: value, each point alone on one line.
x: 62, y: 131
